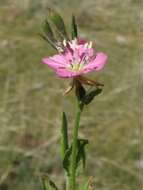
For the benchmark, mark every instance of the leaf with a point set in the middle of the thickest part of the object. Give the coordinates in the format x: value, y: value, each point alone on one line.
x: 58, y: 22
x: 66, y: 161
x: 44, y: 185
x: 48, y: 184
x: 90, y: 95
x: 81, y: 156
x: 74, y: 28
x: 64, y: 135
x: 52, y: 185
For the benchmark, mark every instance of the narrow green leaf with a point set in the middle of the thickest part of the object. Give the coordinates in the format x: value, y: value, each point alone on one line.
x: 58, y: 22
x: 45, y: 184
x: 74, y: 28
x: 81, y: 156
x: 52, y: 185
x: 48, y: 184
x: 91, y: 94
x: 66, y: 160
x: 64, y: 135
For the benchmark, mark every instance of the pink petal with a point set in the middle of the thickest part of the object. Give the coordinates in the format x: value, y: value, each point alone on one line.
x: 55, y: 62
x: 97, y: 64
x: 63, y: 73
x: 68, y: 56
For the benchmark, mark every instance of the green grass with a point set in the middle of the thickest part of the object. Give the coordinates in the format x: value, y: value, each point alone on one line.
x: 31, y: 98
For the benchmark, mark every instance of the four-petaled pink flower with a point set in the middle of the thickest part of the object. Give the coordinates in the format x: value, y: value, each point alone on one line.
x: 76, y: 59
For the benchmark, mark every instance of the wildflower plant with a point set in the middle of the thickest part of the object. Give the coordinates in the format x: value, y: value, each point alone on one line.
x: 75, y: 58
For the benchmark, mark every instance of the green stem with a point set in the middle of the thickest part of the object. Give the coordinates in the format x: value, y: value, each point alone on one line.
x: 67, y: 183
x: 74, y: 149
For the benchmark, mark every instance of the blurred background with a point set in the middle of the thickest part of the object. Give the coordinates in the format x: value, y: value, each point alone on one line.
x: 31, y: 100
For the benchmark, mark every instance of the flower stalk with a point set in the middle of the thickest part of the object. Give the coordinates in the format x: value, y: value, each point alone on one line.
x: 74, y: 59
x: 74, y: 149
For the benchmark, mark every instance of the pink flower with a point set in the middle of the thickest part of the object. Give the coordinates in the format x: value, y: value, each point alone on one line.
x: 76, y: 59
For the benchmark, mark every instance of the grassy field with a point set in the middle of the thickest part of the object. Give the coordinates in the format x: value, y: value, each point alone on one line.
x: 31, y: 100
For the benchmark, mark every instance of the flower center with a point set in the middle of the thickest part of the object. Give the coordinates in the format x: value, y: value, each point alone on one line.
x: 76, y: 66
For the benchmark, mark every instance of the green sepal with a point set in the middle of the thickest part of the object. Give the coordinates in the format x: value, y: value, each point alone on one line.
x: 80, y: 91
x: 48, y: 40
x: 64, y: 135
x: 91, y: 94
x: 58, y: 22
x: 48, y: 31
x: 74, y: 28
